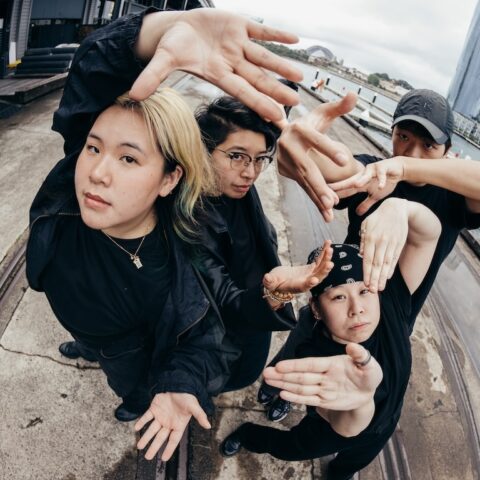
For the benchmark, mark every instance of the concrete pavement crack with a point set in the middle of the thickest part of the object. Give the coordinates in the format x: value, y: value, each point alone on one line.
x: 77, y: 366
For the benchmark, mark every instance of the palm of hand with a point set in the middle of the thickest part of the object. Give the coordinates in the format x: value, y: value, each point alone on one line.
x: 347, y: 386
x: 293, y: 279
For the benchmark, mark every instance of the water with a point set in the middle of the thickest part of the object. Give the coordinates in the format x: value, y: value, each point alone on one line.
x: 460, y: 146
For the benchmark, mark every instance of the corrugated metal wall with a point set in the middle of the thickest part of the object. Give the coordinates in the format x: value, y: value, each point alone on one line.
x: 20, y: 25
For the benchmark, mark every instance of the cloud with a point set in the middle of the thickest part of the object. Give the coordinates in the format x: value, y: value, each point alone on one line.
x: 417, y: 41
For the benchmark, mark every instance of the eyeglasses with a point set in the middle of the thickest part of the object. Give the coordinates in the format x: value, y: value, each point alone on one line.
x: 241, y: 160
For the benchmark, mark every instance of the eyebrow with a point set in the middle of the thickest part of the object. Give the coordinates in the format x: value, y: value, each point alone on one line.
x: 124, y: 144
x: 243, y: 149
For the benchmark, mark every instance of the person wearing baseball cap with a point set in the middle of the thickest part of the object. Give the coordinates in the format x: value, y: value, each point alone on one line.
x: 419, y: 170
x: 358, y: 349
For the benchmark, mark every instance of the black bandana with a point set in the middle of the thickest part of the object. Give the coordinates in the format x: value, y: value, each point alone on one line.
x: 347, y: 267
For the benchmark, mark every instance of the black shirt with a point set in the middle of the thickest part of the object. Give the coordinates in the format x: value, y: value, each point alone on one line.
x: 389, y: 345
x: 96, y: 291
x: 246, y: 264
x: 449, y: 207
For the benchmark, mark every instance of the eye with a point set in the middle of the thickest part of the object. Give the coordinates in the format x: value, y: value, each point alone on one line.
x: 236, y: 156
x: 403, y: 137
x: 128, y: 159
x: 92, y: 149
x: 429, y: 146
x: 339, y: 297
x: 365, y: 291
x: 263, y: 159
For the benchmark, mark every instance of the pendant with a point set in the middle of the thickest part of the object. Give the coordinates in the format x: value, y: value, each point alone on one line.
x: 136, y: 261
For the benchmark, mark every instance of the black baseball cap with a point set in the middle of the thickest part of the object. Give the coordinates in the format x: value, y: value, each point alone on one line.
x: 429, y: 109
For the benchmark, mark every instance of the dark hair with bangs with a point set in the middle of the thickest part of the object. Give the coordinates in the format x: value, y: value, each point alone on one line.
x: 421, y: 131
x: 226, y: 115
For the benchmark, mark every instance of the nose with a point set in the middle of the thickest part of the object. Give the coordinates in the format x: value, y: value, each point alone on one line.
x: 249, y: 171
x: 100, y: 172
x: 414, y: 150
x: 355, y: 307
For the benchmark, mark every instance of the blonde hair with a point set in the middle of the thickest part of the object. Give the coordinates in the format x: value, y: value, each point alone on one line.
x: 174, y: 131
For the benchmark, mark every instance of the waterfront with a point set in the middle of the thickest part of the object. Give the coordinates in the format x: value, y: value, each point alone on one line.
x: 460, y: 146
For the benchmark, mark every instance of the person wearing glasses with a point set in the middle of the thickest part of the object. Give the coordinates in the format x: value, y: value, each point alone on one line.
x: 239, y: 244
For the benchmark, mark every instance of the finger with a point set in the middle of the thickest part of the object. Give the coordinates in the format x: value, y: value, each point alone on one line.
x: 311, y: 400
x: 396, y: 256
x: 343, y: 106
x: 377, y: 264
x: 296, y: 388
x: 266, y: 84
x: 270, y: 282
x: 358, y: 354
x: 301, y: 378
x: 348, y: 192
x: 152, y: 430
x: 335, y: 151
x: 159, y: 67
x: 308, y: 364
x: 241, y: 89
x: 265, y: 33
x: 157, y: 443
x: 368, y: 252
x: 172, y: 444
x: 351, y: 182
x: 365, y: 206
x: 200, y: 416
x: 381, y: 174
x: 143, y: 420
x: 262, y: 57
x: 386, y: 268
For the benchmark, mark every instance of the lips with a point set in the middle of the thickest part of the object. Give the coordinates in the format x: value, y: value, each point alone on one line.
x: 242, y: 187
x: 95, y: 201
x: 358, y: 326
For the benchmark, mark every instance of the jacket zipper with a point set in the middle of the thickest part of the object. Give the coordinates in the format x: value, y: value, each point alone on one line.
x: 202, y: 316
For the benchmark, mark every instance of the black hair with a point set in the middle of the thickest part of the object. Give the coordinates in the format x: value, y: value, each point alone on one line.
x: 226, y: 115
x: 420, y: 131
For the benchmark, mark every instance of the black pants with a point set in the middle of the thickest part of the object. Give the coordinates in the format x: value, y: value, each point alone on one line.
x: 249, y: 366
x: 126, y: 364
x: 314, y: 438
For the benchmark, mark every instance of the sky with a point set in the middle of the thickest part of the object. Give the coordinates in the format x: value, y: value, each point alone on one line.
x: 416, y: 40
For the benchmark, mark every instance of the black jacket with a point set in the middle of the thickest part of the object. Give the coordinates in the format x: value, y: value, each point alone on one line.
x: 193, y: 357
x: 242, y: 310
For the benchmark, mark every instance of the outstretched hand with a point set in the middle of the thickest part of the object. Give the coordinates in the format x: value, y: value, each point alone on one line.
x: 169, y: 414
x: 300, y: 278
x: 382, y: 237
x: 302, y: 140
x: 218, y: 47
x: 333, y: 383
x: 379, y: 179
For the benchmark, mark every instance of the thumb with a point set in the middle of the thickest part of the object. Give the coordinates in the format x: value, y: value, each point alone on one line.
x: 200, y: 416
x: 157, y: 70
x: 346, y: 104
x: 356, y: 352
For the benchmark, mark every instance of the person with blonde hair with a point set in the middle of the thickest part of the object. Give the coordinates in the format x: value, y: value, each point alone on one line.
x: 109, y: 234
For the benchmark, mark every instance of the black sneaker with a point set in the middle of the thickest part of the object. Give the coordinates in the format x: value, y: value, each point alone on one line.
x: 264, y: 398
x: 73, y: 350
x: 278, y: 410
x: 231, y: 445
x: 122, y: 414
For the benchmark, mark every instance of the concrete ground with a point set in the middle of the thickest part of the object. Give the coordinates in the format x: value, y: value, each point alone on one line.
x: 56, y: 417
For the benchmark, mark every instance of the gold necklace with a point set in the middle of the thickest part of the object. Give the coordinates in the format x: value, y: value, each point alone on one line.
x: 134, y: 257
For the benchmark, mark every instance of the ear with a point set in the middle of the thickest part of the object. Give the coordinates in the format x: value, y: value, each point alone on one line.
x: 314, y: 308
x: 170, y: 181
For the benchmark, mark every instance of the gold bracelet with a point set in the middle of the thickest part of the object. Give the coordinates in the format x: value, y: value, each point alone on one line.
x: 280, y: 297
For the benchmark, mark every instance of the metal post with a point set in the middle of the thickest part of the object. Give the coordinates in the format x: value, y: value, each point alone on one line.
x: 100, y: 12
x: 359, y: 90
x: 116, y: 9
x: 5, y: 44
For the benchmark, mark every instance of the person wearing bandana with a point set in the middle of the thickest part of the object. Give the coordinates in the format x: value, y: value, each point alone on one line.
x: 360, y: 342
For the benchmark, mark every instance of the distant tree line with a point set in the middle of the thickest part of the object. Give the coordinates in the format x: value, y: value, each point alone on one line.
x: 374, y: 79
x: 284, y: 51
